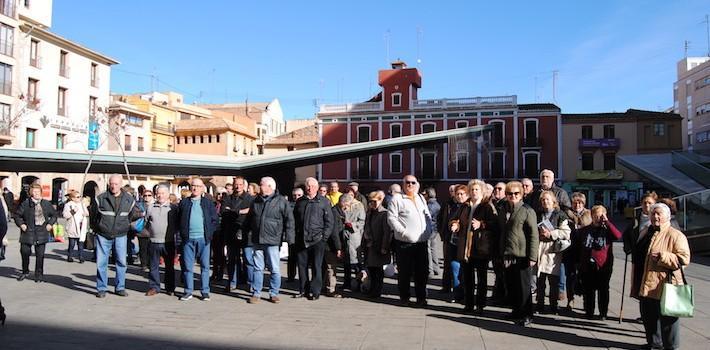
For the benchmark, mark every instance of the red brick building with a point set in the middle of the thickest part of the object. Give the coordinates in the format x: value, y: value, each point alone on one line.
x: 525, y: 140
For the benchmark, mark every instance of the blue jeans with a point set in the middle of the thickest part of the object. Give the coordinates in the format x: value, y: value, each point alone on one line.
x: 191, y: 249
x: 563, y: 278
x: 104, y: 248
x: 455, y: 266
x: 249, y: 261
x: 271, y: 253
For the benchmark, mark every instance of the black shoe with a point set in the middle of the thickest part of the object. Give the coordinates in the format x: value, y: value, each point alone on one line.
x: 70, y: 259
x: 122, y: 293
x: 525, y: 322
x: 22, y: 277
x: 299, y: 296
x: 100, y: 294
x: 39, y: 278
x: 81, y: 261
x: 314, y: 297
x: 421, y: 303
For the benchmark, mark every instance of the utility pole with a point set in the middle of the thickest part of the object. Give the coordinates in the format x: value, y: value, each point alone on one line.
x: 707, y: 31
x: 419, y: 37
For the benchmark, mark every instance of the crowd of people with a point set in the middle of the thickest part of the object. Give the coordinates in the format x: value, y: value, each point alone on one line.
x: 538, y: 241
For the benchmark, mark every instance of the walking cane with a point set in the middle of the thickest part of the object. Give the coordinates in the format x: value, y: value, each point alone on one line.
x: 623, y: 289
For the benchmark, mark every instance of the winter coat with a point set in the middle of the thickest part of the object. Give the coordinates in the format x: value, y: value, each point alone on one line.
x: 476, y: 244
x: 353, y: 234
x: 409, y: 218
x: 232, y: 221
x: 36, y: 233
x: 435, y: 212
x: 4, y: 216
x: 518, y: 233
x: 314, y: 220
x: 77, y: 223
x: 594, y: 246
x: 336, y: 235
x: 548, y: 261
x: 114, y: 222
x: 270, y: 221
x: 561, y: 195
x: 209, y: 217
x: 674, y: 254
x: 448, y: 213
x: 377, y: 238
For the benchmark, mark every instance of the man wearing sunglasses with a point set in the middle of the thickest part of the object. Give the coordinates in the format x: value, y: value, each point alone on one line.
x: 411, y: 222
x: 519, y: 248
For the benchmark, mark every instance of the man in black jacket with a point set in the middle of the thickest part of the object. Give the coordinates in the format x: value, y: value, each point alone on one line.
x: 270, y: 222
x: 115, y: 210
x: 314, y: 225
x: 234, y: 211
x: 547, y: 183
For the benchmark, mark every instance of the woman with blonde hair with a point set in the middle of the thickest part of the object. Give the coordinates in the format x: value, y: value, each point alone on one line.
x: 553, y: 228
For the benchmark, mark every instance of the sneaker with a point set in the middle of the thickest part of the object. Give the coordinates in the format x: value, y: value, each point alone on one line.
x: 122, y: 293
x: 275, y: 299
x: 206, y: 297
x: 186, y: 297
x: 100, y: 294
x: 253, y: 300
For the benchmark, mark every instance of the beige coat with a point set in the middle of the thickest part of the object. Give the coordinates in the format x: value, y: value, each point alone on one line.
x: 674, y: 252
x: 78, y: 222
x: 549, y: 262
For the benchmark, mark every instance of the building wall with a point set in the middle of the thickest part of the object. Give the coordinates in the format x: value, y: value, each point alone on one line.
x: 651, y: 141
x: 301, y: 172
x: 39, y: 11
x: 691, y: 99
x: 202, y: 144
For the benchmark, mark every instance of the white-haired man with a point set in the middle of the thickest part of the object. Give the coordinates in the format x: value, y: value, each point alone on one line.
x: 270, y: 222
x: 547, y: 183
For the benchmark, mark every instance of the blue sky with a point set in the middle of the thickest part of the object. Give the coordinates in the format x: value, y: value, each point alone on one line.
x: 611, y: 55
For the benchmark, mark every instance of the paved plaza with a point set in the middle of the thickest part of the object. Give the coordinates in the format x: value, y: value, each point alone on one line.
x: 64, y: 314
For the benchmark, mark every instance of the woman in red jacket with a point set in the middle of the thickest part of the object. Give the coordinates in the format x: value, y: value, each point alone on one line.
x: 596, y: 260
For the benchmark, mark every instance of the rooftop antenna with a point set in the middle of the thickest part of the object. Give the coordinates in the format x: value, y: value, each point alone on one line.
x: 554, y: 85
x: 707, y: 31
x: 387, y: 44
x: 536, y: 97
x: 686, y: 45
x: 420, y: 33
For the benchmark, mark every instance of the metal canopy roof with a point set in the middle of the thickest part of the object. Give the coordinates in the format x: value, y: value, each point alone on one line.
x: 159, y: 163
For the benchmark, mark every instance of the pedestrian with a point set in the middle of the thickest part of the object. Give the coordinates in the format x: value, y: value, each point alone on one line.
x: 333, y: 193
x: 235, y: 208
x: 162, y: 221
x: 253, y: 189
x: 377, y: 238
x: 527, y: 190
x: 547, y: 183
x: 116, y: 209
x: 519, y: 249
x: 313, y: 227
x: 434, y: 246
x: 461, y: 195
x: 447, y: 214
x: 477, y: 229
x: 270, y: 222
x: 580, y: 217
x: 355, y: 188
x: 664, y: 251
x: 198, y: 221
x: 409, y: 218
x: 393, y: 189
x: 596, y: 260
x: 334, y: 251
x: 142, y: 233
x: 218, y: 243
x: 35, y: 217
x: 553, y: 226
x: 77, y: 215
x: 9, y: 198
x: 292, y: 262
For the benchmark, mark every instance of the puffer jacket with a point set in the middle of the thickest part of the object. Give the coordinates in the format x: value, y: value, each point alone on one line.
x: 518, y: 234
x: 270, y: 220
x: 549, y: 262
x: 25, y: 214
x: 674, y: 254
x: 313, y: 219
x: 115, y: 222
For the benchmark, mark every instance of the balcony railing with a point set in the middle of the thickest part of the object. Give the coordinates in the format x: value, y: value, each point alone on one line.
x: 6, y: 47
x: 140, y: 149
x: 609, y: 144
x: 95, y: 82
x: 127, y: 147
x: 169, y: 128
x: 465, y: 102
x: 352, y: 107
x: 32, y: 102
x: 6, y: 88
x: 64, y: 71
x: 161, y: 149
x: 36, y: 62
x: 534, y: 142
x: 63, y: 111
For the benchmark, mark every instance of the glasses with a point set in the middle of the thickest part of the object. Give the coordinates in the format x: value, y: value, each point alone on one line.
x: 147, y: 195
x: 195, y: 186
x: 410, y: 182
x: 513, y: 193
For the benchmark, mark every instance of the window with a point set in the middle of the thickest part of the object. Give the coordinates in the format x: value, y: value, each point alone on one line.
x: 429, y: 165
x: 194, y: 140
x: 134, y: 120
x: 659, y: 129
x: 34, y: 53
x: 63, y: 69
x: 498, y: 135
x: 202, y: 139
x: 140, y: 144
x: 609, y: 161
x: 62, y: 101
x: 587, y: 161
x: 363, y: 133
x: 5, y: 79
x: 461, y: 124
x: 185, y: 116
x: 7, y: 34
x: 363, y: 167
x: 178, y: 140
x: 217, y: 139
x: 7, y: 8
x: 532, y: 164
x: 395, y: 163
x: 60, y: 140
x: 531, y: 139
x: 32, y: 93
x: 4, y: 114
x: 461, y: 162
x: 30, y: 138
x: 397, y: 99
x: 428, y: 127
x: 587, y: 132
x: 92, y: 107
x: 497, y: 165
x: 395, y: 130
x: 94, y: 75
x: 609, y: 132
x: 127, y: 142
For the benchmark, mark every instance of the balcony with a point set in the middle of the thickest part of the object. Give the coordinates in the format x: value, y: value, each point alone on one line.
x: 95, y: 82
x: 36, y: 62
x: 165, y: 128
x: 465, y: 102
x: 6, y: 47
x: 534, y: 142
x: 600, y: 175
x: 604, y: 144
x: 128, y: 147
x: 5, y: 134
x: 352, y: 107
x: 496, y: 143
x: 141, y: 149
x: 63, y: 111
x: 161, y: 149
x: 64, y: 71
x: 32, y: 102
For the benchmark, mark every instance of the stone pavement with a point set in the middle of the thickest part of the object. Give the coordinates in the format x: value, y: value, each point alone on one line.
x: 64, y: 314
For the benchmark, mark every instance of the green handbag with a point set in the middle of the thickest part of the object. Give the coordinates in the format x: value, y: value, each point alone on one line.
x: 677, y: 300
